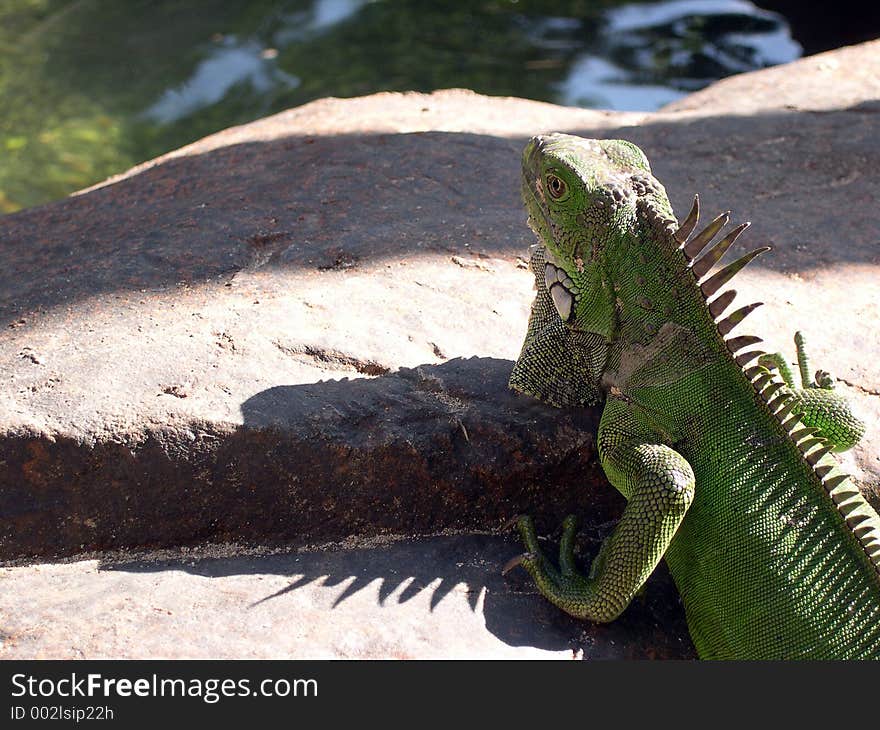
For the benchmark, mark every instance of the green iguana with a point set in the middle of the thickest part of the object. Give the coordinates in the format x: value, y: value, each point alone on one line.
x: 723, y: 461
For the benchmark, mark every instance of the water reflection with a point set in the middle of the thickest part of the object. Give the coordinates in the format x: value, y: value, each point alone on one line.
x: 638, y: 56
x: 654, y: 53
x: 90, y: 88
x: 233, y: 62
x: 323, y: 14
x: 597, y: 83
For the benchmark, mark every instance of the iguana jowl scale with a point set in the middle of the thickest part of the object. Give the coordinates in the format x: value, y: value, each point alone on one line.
x: 723, y: 460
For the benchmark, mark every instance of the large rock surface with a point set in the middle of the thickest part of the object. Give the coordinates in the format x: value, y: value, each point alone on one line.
x: 300, y: 329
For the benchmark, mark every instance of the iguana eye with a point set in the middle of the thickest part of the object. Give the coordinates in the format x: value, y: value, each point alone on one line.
x: 555, y: 186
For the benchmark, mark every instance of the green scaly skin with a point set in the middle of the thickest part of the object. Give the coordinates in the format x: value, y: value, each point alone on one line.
x: 722, y: 459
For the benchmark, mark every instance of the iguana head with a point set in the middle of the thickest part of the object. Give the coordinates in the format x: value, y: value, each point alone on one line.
x: 581, y: 196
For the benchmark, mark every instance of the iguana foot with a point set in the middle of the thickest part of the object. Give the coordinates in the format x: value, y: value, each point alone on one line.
x: 776, y: 361
x: 819, y: 405
x: 563, y: 586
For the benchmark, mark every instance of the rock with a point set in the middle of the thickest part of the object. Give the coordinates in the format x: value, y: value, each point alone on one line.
x: 300, y: 329
x: 433, y: 597
x: 420, y: 450
x: 840, y: 79
x: 183, y: 319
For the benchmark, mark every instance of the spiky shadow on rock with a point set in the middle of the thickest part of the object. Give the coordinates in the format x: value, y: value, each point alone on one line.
x: 446, y: 566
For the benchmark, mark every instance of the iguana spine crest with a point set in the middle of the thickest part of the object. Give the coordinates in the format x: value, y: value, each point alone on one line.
x: 837, y: 485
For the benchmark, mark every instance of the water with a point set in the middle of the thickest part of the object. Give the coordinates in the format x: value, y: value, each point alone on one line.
x: 89, y: 88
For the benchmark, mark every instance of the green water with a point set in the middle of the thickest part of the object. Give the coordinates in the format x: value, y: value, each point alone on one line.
x: 89, y: 88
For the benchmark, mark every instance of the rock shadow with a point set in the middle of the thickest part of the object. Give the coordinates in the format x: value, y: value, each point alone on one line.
x: 652, y: 627
x: 436, y: 447
x: 338, y: 202
x: 417, y: 451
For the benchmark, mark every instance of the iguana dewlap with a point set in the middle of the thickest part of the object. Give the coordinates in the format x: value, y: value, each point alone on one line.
x: 723, y: 460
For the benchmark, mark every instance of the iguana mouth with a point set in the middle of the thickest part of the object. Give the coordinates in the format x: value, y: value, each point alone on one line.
x: 537, y: 220
x: 532, y: 194
x: 559, y: 285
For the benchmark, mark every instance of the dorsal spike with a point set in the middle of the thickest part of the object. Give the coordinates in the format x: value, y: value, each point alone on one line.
x: 762, y: 380
x: 803, y: 432
x: 689, y: 223
x: 735, y: 344
x: 853, y: 514
x: 754, y: 371
x: 747, y: 357
x: 784, y: 413
x: 721, y: 303
x: 832, y: 482
x: 823, y: 470
x: 849, y: 508
x: 854, y: 511
x: 715, y: 282
x: 842, y: 496
x: 779, y: 401
x: 788, y: 423
x: 810, y: 442
x: 699, y: 242
x: 734, y: 318
x: 713, y: 255
x: 771, y: 389
x: 814, y: 456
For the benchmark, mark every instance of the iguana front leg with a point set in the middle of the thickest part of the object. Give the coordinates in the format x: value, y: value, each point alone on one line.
x: 659, y: 486
x: 817, y: 404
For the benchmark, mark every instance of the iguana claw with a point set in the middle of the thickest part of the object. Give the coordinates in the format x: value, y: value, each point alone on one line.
x: 824, y: 380
x: 516, y: 561
x: 511, y: 523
